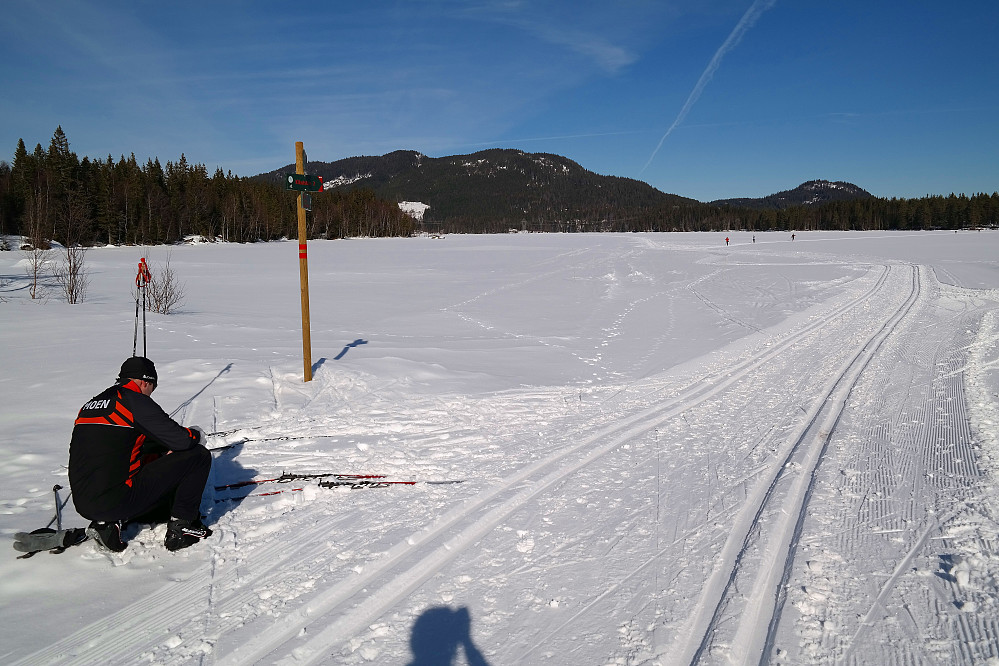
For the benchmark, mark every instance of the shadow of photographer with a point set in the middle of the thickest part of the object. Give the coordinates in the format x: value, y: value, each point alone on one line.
x: 439, y: 633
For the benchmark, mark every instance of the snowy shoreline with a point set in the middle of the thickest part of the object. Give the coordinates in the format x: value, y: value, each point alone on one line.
x: 662, y: 450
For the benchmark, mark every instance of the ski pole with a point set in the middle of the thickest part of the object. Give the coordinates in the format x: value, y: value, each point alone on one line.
x: 135, y: 337
x: 146, y: 278
x: 144, y: 322
x: 55, y: 489
x: 142, y: 278
x: 57, y: 518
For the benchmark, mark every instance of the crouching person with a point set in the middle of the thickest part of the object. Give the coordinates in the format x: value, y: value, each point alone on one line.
x: 128, y: 459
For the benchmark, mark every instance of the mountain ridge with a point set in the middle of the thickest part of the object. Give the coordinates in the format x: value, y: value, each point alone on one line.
x: 809, y: 193
x: 494, y: 187
x: 407, y: 175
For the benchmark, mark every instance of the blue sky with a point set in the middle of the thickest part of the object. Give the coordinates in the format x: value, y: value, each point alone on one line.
x: 898, y: 97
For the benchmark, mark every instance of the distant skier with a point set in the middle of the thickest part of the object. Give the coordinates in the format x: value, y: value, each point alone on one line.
x: 128, y: 459
x: 754, y: 238
x: 726, y: 241
x: 792, y: 236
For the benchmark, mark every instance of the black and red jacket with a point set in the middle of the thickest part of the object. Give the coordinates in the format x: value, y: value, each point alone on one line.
x: 112, y: 434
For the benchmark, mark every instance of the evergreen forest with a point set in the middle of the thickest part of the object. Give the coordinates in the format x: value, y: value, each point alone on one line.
x: 53, y: 195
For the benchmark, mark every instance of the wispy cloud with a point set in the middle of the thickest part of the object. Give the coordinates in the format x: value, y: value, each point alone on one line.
x: 607, y: 56
x: 561, y: 137
x: 568, y: 31
x: 745, y: 23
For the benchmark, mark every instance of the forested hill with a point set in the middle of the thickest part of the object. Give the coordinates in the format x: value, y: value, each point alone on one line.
x: 499, y: 190
x: 496, y: 190
x: 812, y: 193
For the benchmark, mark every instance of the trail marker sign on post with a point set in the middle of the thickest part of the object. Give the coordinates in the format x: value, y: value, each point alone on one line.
x: 303, y: 182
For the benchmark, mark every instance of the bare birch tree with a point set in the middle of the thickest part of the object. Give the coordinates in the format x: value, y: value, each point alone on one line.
x: 165, y: 292
x: 72, y: 275
x: 36, y: 269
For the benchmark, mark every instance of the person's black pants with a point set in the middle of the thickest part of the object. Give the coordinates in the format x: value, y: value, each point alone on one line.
x: 175, y: 482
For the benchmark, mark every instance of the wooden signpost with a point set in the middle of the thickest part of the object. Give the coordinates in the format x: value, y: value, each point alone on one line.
x: 302, y: 182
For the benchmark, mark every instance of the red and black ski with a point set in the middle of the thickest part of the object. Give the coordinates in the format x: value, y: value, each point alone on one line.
x: 327, y: 480
x: 288, y: 477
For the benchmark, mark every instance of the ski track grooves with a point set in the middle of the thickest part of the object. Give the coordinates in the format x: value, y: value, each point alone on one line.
x: 332, y: 616
x: 760, y: 609
x: 398, y: 585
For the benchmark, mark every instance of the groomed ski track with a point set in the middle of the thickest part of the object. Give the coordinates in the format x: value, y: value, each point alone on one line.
x: 755, y: 428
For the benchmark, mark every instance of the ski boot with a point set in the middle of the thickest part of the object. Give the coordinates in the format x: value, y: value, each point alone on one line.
x: 107, y: 535
x: 183, y: 533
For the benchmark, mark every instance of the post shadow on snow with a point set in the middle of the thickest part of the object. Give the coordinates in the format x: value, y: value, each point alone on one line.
x: 438, y: 634
x: 348, y: 347
x: 318, y: 364
x: 226, y: 469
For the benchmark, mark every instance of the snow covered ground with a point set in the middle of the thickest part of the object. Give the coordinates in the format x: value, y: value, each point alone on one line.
x: 628, y: 449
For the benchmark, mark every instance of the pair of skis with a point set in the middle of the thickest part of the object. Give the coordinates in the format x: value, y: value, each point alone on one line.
x: 326, y: 480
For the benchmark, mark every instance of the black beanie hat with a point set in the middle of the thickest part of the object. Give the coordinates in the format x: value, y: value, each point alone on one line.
x: 137, y: 367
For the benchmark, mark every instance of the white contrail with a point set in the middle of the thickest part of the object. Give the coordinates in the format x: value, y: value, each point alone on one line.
x: 745, y: 23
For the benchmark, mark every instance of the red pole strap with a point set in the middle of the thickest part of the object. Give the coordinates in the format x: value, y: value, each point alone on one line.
x: 302, y: 251
x: 144, y: 276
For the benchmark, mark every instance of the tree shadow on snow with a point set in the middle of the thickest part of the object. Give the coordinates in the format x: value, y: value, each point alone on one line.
x: 187, y: 403
x: 12, y: 283
x: 438, y: 634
